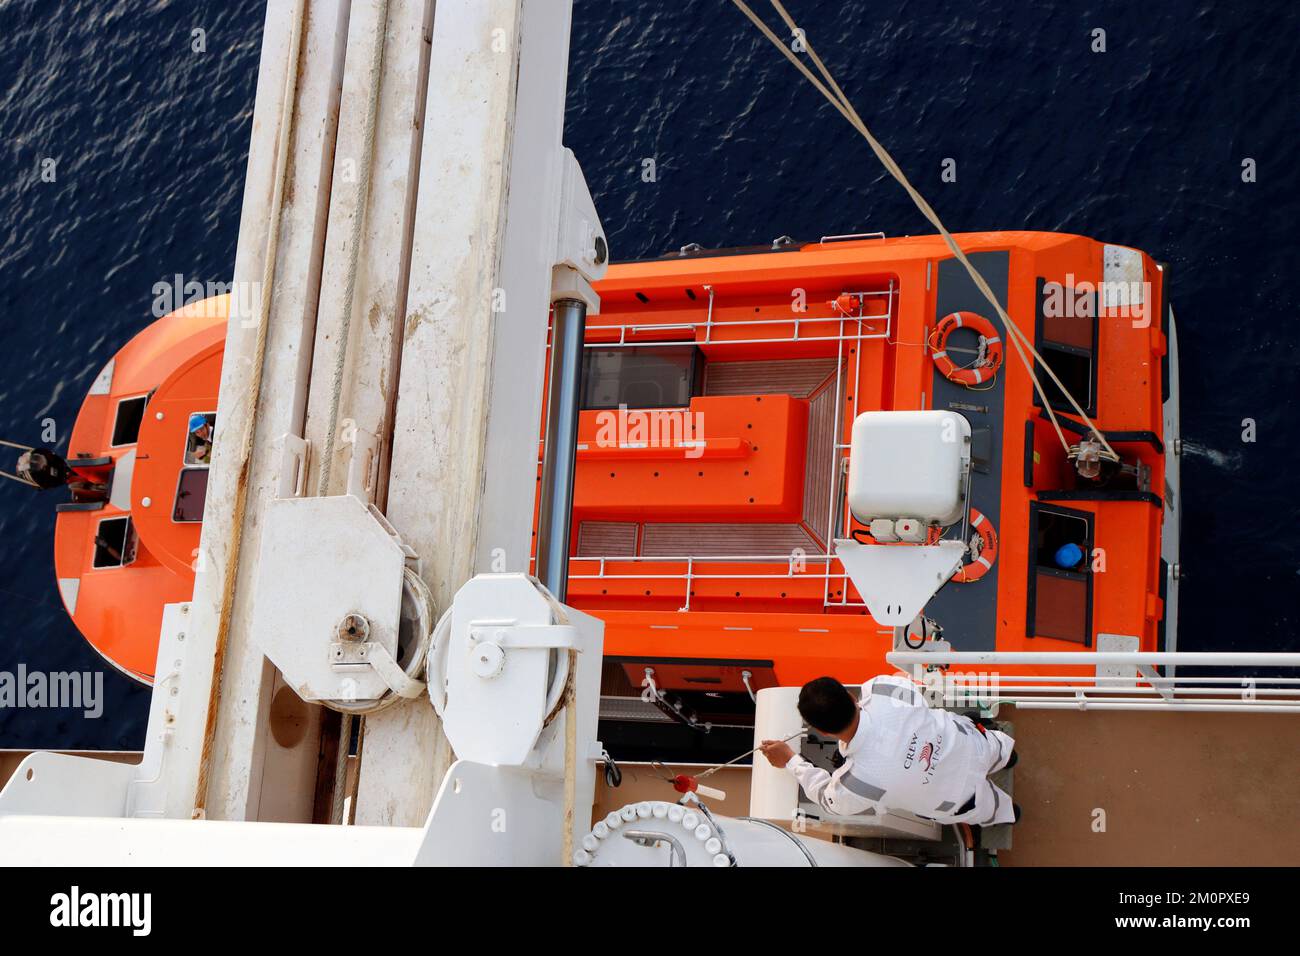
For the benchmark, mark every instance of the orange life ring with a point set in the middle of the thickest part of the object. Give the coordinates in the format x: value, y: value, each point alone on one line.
x: 985, y: 368
x: 988, y: 551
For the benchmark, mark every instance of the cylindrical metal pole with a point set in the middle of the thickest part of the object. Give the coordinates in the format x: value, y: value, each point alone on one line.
x: 559, y: 460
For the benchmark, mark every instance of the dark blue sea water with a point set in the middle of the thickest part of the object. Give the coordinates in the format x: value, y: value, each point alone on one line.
x: 1141, y: 145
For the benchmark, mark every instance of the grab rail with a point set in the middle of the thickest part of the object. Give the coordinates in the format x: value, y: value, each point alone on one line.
x: 853, y: 235
x: 1137, y: 687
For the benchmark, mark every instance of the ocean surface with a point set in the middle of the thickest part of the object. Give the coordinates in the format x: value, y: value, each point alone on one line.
x: 1142, y: 144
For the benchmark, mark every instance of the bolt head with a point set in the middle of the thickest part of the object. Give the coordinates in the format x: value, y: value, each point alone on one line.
x: 353, y: 628
x: 487, y: 660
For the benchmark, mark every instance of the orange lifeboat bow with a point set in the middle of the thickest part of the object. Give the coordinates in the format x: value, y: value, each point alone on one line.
x: 121, y: 556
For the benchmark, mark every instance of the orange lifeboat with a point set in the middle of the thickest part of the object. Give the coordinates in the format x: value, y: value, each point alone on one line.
x: 714, y: 428
x: 127, y: 543
x: 720, y: 392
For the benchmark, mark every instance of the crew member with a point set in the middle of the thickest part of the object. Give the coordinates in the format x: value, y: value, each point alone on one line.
x: 200, y: 442
x: 899, y: 754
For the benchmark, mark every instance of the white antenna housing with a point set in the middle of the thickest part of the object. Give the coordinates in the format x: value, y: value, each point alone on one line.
x: 908, y: 472
x: 909, y: 465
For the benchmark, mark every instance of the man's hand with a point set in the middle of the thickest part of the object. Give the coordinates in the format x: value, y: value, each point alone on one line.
x: 777, y: 752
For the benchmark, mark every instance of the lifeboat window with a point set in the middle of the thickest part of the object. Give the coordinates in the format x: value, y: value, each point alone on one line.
x: 665, y: 376
x: 1067, y: 339
x: 114, y: 543
x: 201, y: 428
x: 126, y: 426
x: 1060, y: 579
x: 191, y: 493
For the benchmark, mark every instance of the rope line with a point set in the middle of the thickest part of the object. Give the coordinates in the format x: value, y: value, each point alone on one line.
x: 841, y: 103
x: 20, y: 480
x: 747, y: 753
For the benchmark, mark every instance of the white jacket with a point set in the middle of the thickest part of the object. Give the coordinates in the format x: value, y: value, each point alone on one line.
x: 906, y: 756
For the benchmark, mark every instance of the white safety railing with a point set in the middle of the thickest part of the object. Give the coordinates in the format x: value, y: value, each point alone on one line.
x: 874, y: 306
x: 1109, y: 680
x: 771, y: 567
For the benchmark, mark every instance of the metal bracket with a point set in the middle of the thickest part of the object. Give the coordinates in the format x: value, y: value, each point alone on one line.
x: 580, y: 239
x: 294, y: 454
x: 1111, y: 643
x: 896, y: 582
x: 363, y: 468
x: 672, y: 706
x: 1161, y: 684
x: 324, y: 561
x: 581, y: 250
x: 508, y: 634
x: 398, y: 681
x: 652, y: 838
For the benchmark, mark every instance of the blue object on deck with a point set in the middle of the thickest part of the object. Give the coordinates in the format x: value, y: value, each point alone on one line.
x: 1068, y: 556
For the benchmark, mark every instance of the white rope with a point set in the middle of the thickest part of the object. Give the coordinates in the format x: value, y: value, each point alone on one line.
x: 20, y: 480
x: 570, y: 759
x: 842, y: 104
x: 354, y: 252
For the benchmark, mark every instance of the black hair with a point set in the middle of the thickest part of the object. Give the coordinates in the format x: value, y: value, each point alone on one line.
x: 827, y: 705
